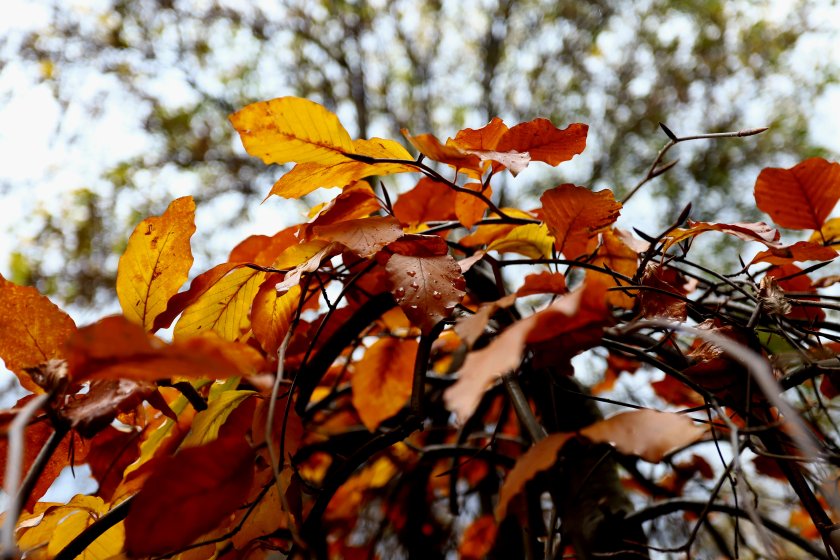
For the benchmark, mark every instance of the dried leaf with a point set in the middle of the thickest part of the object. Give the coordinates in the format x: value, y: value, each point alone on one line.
x: 91, y: 412
x: 291, y: 129
x: 543, y: 283
x: 575, y: 215
x: 32, y: 330
x: 110, y: 452
x: 363, y: 236
x: 381, y: 381
x: 544, y: 141
x: 755, y: 231
x: 314, y: 252
x: 432, y: 148
x: 798, y: 283
x: 356, y: 201
x: 426, y: 285
x: 188, y: 495
x: 156, y: 262
x: 801, y: 197
x: 655, y: 303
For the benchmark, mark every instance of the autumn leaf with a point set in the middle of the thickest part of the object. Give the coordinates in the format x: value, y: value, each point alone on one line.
x: 109, y: 453
x: 291, y: 129
x: 544, y: 141
x: 657, y: 302
x: 115, y: 348
x: 426, y: 282
x: 577, y: 311
x: 648, y: 434
x: 469, y: 208
x: 381, y: 379
x: 428, y: 201
x: 531, y: 240
x: 795, y: 280
x: 614, y: 255
x: 224, y: 307
x: 801, y: 197
x: 32, y: 330
x: 261, y: 249
x: 756, y: 231
x: 798, y: 252
x: 206, y: 424
x: 363, y: 236
x: 188, y: 495
x: 156, y: 262
x: 272, y: 314
x: 828, y: 234
x: 484, y: 138
x: 307, y: 177
x: 93, y: 411
x: 357, y: 200
x: 543, y: 283
x: 432, y: 148
x: 575, y: 215
x: 478, y: 539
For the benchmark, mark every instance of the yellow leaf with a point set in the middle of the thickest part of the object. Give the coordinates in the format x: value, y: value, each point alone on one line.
x: 156, y: 262
x: 531, y: 240
x: 224, y: 308
x: 271, y: 315
x: 382, y: 380
x: 206, y: 424
x: 829, y: 233
x: 291, y: 129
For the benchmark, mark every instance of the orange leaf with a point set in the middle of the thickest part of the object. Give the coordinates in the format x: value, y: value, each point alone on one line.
x: 426, y: 285
x: 575, y: 215
x: 364, y: 236
x: 429, y: 200
x: 291, y: 129
x: 757, y: 231
x: 478, y: 539
x: 198, y: 287
x: 272, y: 313
x: 224, y: 307
x: 263, y: 249
x: 381, y: 381
x: 469, y: 208
x: 356, y: 201
x: 156, y: 262
x: 615, y: 255
x: 543, y: 283
x: 484, y: 138
x: 432, y: 148
x: 32, y: 330
x: 188, y: 495
x: 115, y: 348
x: 544, y: 141
x: 307, y: 177
x: 799, y: 251
x: 801, y: 197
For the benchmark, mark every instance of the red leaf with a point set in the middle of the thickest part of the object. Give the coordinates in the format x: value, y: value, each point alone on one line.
x: 425, y: 284
x: 801, y: 197
x: 188, y: 495
x: 799, y: 283
x: 575, y: 216
x: 544, y: 141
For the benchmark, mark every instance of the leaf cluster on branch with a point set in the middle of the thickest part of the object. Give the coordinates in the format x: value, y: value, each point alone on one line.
x: 399, y: 372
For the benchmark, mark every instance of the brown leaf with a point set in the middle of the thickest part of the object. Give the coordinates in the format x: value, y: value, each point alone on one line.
x: 428, y: 201
x: 544, y: 141
x: 575, y: 215
x: 799, y: 283
x: 655, y: 303
x: 755, y: 231
x: 425, y: 284
x: 32, y: 330
x: 188, y: 495
x: 357, y: 200
x: 381, y: 381
x: 801, y: 197
x: 363, y: 236
x: 543, y: 283
x: 484, y: 138
x: 432, y: 148
x: 90, y: 413
x: 648, y: 434
x: 263, y: 249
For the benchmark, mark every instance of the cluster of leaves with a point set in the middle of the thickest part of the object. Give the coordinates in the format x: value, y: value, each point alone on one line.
x: 375, y: 378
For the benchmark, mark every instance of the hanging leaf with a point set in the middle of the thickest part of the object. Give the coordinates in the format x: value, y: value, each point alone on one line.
x: 615, y: 255
x: 381, y: 380
x: 799, y: 282
x: 576, y: 215
x: 655, y: 303
x: 307, y: 177
x: 198, y: 287
x: 469, y: 208
x: 801, y: 197
x: 156, y: 262
x: 432, y: 148
x: 91, y: 412
x: 32, y: 330
x: 272, y: 313
x: 188, y: 495
x: 757, y: 231
x: 356, y: 201
x: 426, y: 282
x: 291, y: 129
x: 544, y: 141
x: 798, y: 252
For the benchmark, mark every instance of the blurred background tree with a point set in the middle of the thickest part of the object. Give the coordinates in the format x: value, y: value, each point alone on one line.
x: 141, y: 89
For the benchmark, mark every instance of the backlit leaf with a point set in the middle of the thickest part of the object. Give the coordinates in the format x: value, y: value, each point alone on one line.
x: 206, y: 424
x: 272, y: 313
x: 801, y: 197
x: 484, y: 138
x: 544, y: 141
x: 800, y: 251
x: 469, y: 208
x: 188, y: 495
x: 829, y: 233
x: 543, y: 283
x: 198, y: 287
x: 427, y: 288
x: 156, y: 262
x: 432, y: 148
x: 757, y: 231
x: 291, y: 129
x: 224, y: 307
x: 307, y: 177
x: 382, y: 379
x: 32, y: 330
x: 575, y: 215
x: 615, y: 255
x: 531, y: 240
x: 356, y: 201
